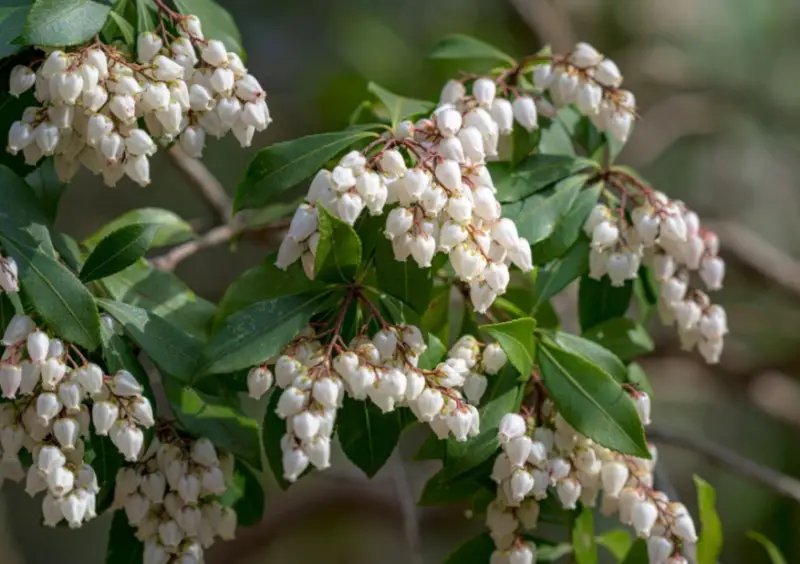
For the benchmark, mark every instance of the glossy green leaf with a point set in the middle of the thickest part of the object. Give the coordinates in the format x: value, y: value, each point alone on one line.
x: 145, y: 15
x: 399, y: 107
x: 367, y: 435
x: 123, y: 547
x: 709, y: 546
x: 118, y: 250
x: 338, y: 251
x: 599, y: 301
x: 568, y: 228
x: 53, y: 23
x: 217, y: 22
x: 433, y: 355
x: 171, y: 228
x: 773, y: 552
x: 538, y: 216
x: 286, y: 164
x: 124, y: 27
x: 403, y: 279
x: 558, y: 274
x: 273, y: 430
x: 58, y: 296
x: 592, y: 352
x: 532, y: 175
x: 591, y: 400
x: 162, y: 294
x: 557, y: 135
x: 436, y: 318
x: 465, y: 47
x: 475, y: 551
x: 583, y: 542
x: 21, y: 215
x: 440, y: 490
x: 618, y: 542
x: 638, y: 378
x: 171, y: 349
x: 524, y: 143
x: 13, y: 14
x: 622, y: 336
x: 637, y: 553
x: 258, y: 332
x: 245, y: 495
x: 47, y: 187
x: 517, y: 340
x: 219, y: 419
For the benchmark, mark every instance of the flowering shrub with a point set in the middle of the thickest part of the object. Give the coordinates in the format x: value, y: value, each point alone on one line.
x: 434, y: 306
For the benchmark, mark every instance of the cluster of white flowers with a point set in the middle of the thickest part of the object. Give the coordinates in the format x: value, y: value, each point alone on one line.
x: 383, y: 369
x: 591, y: 82
x: 9, y: 280
x: 435, y: 171
x: 535, y: 458
x: 668, y: 237
x: 48, y: 415
x: 170, y: 499
x: 92, y: 100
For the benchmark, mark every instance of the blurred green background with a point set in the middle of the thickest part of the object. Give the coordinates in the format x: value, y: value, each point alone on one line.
x: 716, y: 85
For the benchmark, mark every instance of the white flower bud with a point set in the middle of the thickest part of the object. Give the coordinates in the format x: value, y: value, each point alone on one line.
x: 129, y: 441
x: 569, y: 491
x: 520, y: 485
x: 148, y: 44
x: 139, y: 142
x: 189, y: 488
x: 295, y: 462
x: 448, y: 121
x: 21, y: 80
x: 47, y: 407
x: 66, y: 431
x: 643, y: 517
x: 259, y: 381
x: 452, y: 92
x: 20, y: 136
x: 494, y: 358
x: 193, y: 140
x: 605, y: 235
x: 712, y: 272
x: 74, y: 508
x: 50, y: 457
x: 471, y: 143
x: 189, y: 518
x: 166, y: 70
x: 613, y: 476
x: 588, y: 96
x: 154, y: 487
x: 10, y: 379
x: 125, y: 384
x: 52, y: 371
x: 448, y: 174
x: 349, y: 207
x: 484, y: 91
x: 138, y: 169
x: 204, y: 453
x: 524, y: 110
x: 104, y: 415
x: 607, y: 73
x: 659, y: 549
x: 248, y: 89
x: 503, y: 115
x: 90, y: 377
x: 511, y: 426
x: 229, y: 110
x: 223, y: 81
x: 170, y: 534
x: 60, y: 481
x: 214, y: 53
x: 385, y: 342
x: 291, y: 402
x: 559, y: 469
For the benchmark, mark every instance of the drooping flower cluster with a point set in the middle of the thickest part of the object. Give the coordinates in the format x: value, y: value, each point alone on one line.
x: 93, y: 98
x: 9, y: 280
x: 48, y: 415
x: 554, y: 455
x: 435, y: 173
x: 383, y: 369
x: 170, y: 498
x: 668, y: 237
x: 591, y: 82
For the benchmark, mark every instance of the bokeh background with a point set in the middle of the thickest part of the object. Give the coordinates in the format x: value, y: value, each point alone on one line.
x: 716, y: 83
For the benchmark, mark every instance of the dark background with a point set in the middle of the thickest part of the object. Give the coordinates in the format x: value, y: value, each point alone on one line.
x: 716, y: 84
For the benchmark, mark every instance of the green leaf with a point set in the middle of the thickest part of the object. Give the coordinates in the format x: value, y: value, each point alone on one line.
x: 283, y: 165
x: 13, y: 14
x: 558, y: 274
x: 638, y: 378
x: 162, y: 294
x: 58, y: 296
x: 403, y: 279
x: 637, y: 553
x: 274, y: 429
x: 622, y: 336
x: 475, y: 551
x: 464, y: 456
x: 618, y: 542
x: 145, y: 20
x: 592, y: 352
x: 21, y: 216
x: 118, y: 250
x: 47, y: 187
x: 367, y: 435
x: 709, y: 546
x: 338, y: 251
x: 56, y: 23
x: 517, y: 340
x: 245, y: 495
x: 117, y: 355
x: 123, y: 547
x: 599, y: 301
x: 591, y: 401
x: 106, y: 461
x: 558, y: 135
x: 263, y: 282
x: 465, y: 47
x: 436, y: 318
x: 583, y: 542
x: 774, y: 553
x: 205, y: 415
x: 125, y: 28
x: 538, y: 216
x: 433, y: 355
x: 172, y: 229
x: 568, y: 228
x: 524, y: 143
x: 217, y: 22
x: 171, y: 349
x: 533, y: 174
x: 399, y: 107
x: 257, y: 333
